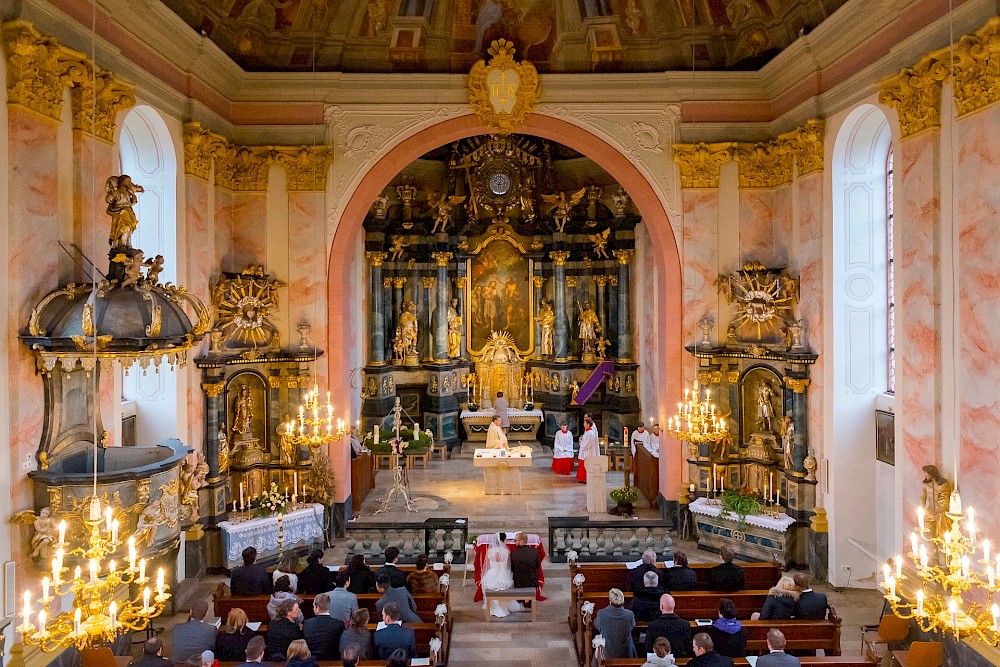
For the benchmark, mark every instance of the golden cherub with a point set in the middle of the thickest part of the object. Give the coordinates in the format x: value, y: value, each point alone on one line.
x: 441, y: 204
x: 558, y: 202
x: 396, y: 249
x: 600, y: 242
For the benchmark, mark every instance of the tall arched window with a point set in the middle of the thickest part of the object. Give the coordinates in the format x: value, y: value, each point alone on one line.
x: 147, y: 155
x: 890, y: 281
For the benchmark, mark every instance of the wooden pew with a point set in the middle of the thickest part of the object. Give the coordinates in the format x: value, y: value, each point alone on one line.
x: 826, y: 661
x: 255, y: 606
x: 602, y: 577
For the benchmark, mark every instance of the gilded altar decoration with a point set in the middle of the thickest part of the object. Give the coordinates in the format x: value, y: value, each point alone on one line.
x: 764, y: 298
x: 915, y: 93
x: 600, y: 242
x: 243, y: 304
x: 764, y: 164
x: 120, y: 196
x: 441, y: 204
x: 396, y: 250
x: 454, y: 330
x: 287, y: 453
x: 502, y: 93
x: 223, y: 441
x: 700, y: 163
x: 43, y: 535
x: 547, y: 325
x: 404, y: 345
x: 500, y: 291
x: 243, y: 413
x: 560, y: 204
x: 590, y: 326
x: 193, y: 476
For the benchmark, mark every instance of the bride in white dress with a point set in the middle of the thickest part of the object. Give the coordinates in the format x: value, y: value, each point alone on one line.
x: 497, y: 574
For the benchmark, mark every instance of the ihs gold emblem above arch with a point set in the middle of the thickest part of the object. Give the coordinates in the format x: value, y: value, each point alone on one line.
x: 503, y: 92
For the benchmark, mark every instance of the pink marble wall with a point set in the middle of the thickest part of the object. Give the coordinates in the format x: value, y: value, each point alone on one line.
x: 978, y: 374
x: 307, y: 268
x: 647, y: 318
x: 93, y: 162
x: 33, y: 229
x: 249, y: 229
x: 808, y: 261
x: 781, y: 209
x: 757, y: 226
x: 222, y: 228
x: 700, y: 244
x: 202, y: 267
x: 918, y: 340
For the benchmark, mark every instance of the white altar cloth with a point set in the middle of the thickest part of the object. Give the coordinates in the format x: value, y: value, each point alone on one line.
x: 501, y: 474
x: 299, y: 528
x: 511, y: 412
x: 781, y: 524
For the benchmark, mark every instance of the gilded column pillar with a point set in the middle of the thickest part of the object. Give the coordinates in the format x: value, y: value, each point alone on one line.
x: 559, y: 258
x: 602, y: 285
x: 800, y: 418
x: 427, y: 283
x: 460, y: 283
x: 624, y: 318
x: 377, y: 316
x: 441, y: 317
x: 572, y: 282
x: 613, y: 314
x: 538, y: 282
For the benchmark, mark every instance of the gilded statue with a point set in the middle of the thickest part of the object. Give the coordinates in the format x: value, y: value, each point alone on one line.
x: 286, y: 448
x: 602, y: 347
x: 765, y: 411
x: 441, y: 204
x: 562, y: 205
x: 396, y: 249
x: 787, y: 438
x: 44, y: 535
x: 600, y: 241
x: 244, y: 411
x: 407, y: 329
x: 154, y: 267
x: 223, y: 441
x: 935, y: 496
x: 590, y: 326
x: 119, y: 194
x: 454, y: 330
x: 547, y: 322
x: 574, y: 388
x: 192, y: 478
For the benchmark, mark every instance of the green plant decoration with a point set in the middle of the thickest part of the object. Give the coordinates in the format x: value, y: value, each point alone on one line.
x: 741, y: 502
x: 625, y: 494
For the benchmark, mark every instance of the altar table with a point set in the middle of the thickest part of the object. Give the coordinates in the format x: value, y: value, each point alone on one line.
x: 758, y: 538
x: 524, y: 424
x: 299, y: 528
x: 483, y: 543
x: 501, y: 474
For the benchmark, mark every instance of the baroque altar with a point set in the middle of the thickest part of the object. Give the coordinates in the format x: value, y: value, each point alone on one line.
x: 271, y: 536
x: 757, y: 537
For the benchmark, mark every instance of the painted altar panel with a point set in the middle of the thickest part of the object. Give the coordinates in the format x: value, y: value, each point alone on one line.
x: 500, y: 295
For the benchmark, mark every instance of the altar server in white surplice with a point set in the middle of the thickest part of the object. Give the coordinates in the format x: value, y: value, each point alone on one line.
x: 640, y: 436
x: 589, y: 446
x: 495, y: 437
x: 653, y: 444
x: 562, y: 451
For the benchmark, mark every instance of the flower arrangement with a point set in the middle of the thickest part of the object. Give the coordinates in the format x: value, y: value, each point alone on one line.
x: 742, y: 502
x: 625, y: 494
x: 272, y: 502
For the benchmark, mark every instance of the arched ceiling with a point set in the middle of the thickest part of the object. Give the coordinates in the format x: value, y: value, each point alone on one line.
x: 450, y: 35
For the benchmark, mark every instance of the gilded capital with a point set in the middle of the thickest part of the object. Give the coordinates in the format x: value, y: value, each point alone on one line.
x: 398, y: 282
x: 427, y: 282
x: 572, y: 281
x: 797, y: 385
x: 732, y: 377
x: 538, y: 281
x: 387, y: 281
x: 624, y: 256
x: 100, y: 112
x: 376, y: 258
x: 700, y: 163
x: 242, y: 168
x: 559, y: 257
x: 461, y: 282
x: 600, y: 281
x: 915, y: 93
x: 38, y: 68
x: 442, y: 258
x: 213, y: 389
x: 805, y: 144
x: 764, y: 165
x: 613, y: 280
x: 200, y: 148
x: 977, y: 79
x: 306, y: 167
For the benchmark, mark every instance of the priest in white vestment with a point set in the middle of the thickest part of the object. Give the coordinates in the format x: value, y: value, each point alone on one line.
x: 495, y: 437
x: 500, y: 406
x: 639, y: 436
x: 589, y: 446
x: 562, y: 451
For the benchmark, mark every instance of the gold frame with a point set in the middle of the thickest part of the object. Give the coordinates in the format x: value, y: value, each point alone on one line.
x: 486, y: 94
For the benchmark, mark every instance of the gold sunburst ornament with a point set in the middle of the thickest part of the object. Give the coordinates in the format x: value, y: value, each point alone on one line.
x: 503, y: 92
x: 764, y: 298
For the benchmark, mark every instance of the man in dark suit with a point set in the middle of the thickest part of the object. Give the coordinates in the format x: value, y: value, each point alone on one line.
x: 195, y: 636
x: 668, y: 624
x: 726, y: 577
x: 399, y: 596
x: 394, y: 635
x: 284, y: 631
x: 524, y: 563
x: 249, y: 578
x: 636, y: 576
x: 811, y: 605
x: 316, y: 578
x: 152, y: 654
x: 322, y: 631
x: 777, y: 656
x: 396, y: 576
x: 255, y: 653
x: 705, y: 655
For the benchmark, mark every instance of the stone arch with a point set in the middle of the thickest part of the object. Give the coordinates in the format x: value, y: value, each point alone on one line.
x: 341, y: 314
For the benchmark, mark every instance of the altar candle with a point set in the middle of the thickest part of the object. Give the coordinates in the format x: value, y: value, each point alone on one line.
x: 45, y: 588
x: 241, y: 495
x: 715, y: 479
x: 142, y: 570
x: 777, y: 496
x: 77, y: 617
x: 295, y: 500
x: 416, y: 431
x: 771, y: 485
x: 375, y: 431
x: 295, y: 481
x: 913, y: 544
x: 722, y: 481
x: 920, y: 602
x: 62, y: 532
x: 145, y: 600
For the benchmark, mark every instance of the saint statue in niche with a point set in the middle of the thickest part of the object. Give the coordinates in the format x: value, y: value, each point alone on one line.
x: 244, y: 411
x: 765, y: 411
x: 454, y: 330
x: 787, y: 437
x: 286, y: 448
x: 590, y: 325
x: 223, y: 441
x: 547, y: 321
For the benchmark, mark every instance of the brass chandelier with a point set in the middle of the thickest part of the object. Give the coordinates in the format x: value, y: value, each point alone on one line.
x: 97, y: 615
x: 696, y: 420
x: 315, y: 425
x: 955, y: 586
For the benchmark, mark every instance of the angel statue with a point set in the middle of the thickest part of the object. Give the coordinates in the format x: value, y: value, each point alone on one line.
x: 396, y: 250
x: 44, y: 537
x: 559, y: 203
x: 600, y: 242
x: 441, y: 204
x: 590, y: 326
x: 119, y: 194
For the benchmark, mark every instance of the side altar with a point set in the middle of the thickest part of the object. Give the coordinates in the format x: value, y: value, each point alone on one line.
x: 761, y: 537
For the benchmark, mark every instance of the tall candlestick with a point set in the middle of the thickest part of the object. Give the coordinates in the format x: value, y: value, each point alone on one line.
x: 920, y: 602
x: 145, y: 600
x: 295, y: 481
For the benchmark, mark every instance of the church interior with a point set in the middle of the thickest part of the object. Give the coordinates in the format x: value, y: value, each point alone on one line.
x: 542, y: 295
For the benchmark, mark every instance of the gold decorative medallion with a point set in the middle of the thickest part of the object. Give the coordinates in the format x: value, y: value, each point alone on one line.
x: 503, y: 92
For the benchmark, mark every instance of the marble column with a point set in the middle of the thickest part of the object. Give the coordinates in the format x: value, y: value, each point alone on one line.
x: 800, y: 418
x: 441, y: 325
x: 377, y: 317
x: 427, y: 283
x: 571, y: 298
x: 538, y: 282
x: 624, y: 320
x: 613, y: 315
x: 602, y: 285
x: 460, y: 283
x: 387, y: 314
x: 559, y: 258
x: 215, y: 414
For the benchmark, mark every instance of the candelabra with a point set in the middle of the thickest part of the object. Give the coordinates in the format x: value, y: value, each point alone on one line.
x: 312, y: 428
x: 954, y: 594
x: 97, y: 617
x: 696, y: 420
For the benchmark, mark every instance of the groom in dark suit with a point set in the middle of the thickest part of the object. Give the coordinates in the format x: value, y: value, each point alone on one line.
x: 524, y: 563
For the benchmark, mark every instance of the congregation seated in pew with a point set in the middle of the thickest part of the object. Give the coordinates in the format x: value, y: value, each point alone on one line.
x: 671, y: 626
x: 232, y: 639
x: 396, y: 576
x: 727, y: 576
x: 422, y: 580
x: 322, y: 632
x: 615, y: 623
x: 316, y: 577
x: 705, y: 654
x: 357, y: 639
x: 727, y: 632
x: 646, y: 599
x: 680, y: 577
x: 251, y: 578
x: 398, y: 596
x: 780, y: 603
x: 394, y: 636
x: 661, y: 655
x: 283, y: 592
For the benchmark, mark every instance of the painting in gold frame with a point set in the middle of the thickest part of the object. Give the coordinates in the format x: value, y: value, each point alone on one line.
x: 500, y: 294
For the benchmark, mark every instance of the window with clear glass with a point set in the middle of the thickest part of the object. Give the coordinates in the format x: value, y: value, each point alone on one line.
x: 890, y: 280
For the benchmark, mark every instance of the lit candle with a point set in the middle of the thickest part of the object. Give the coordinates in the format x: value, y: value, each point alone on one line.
x: 41, y: 621
x: 892, y: 587
x: 77, y: 573
x: 913, y: 544
x: 899, y: 566
x: 986, y: 551
x: 920, y: 602
x: 77, y: 618
x: 145, y: 600
x: 972, y: 526
x: 955, y: 504
x: 27, y: 607
x: 886, y: 573
x: 62, y: 532
x: 93, y: 571
x: 112, y: 567
x: 45, y: 588
x: 159, y: 582
x: 295, y: 499
x: 241, y: 495
x: 55, y: 570
x: 416, y: 430
x: 107, y: 519
x: 715, y: 478
x: 923, y: 557
x: 771, y: 485
x: 777, y: 496
x: 995, y: 610
x: 965, y: 567
x: 113, y: 613
x: 722, y: 481
x: 131, y: 553
x: 295, y: 481
x: 920, y: 518
x: 991, y: 574
x: 142, y: 570
x: 953, y: 610
x: 114, y: 530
